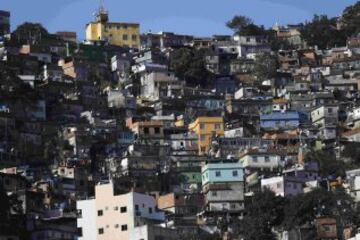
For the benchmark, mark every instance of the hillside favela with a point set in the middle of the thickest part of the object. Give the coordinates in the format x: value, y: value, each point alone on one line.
x: 120, y: 133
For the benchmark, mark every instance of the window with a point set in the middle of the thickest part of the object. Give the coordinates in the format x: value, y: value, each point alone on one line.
x: 217, y: 126
x: 278, y: 185
x: 202, y: 126
x: 125, y: 37
x: 124, y: 209
x: 116, y: 226
x: 116, y: 208
x: 235, y: 173
x: 100, y: 212
x: 136, y: 207
x: 134, y: 37
x: 214, y: 193
x: 79, y: 213
x: 157, y: 130
x: 267, y: 159
x: 330, y: 110
x: 79, y: 232
x: 150, y: 210
x: 146, y: 130
x: 124, y: 227
x: 218, y: 174
x: 101, y: 231
x: 254, y: 158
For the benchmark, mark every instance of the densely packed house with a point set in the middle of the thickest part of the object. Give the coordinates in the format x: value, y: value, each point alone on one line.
x: 168, y: 136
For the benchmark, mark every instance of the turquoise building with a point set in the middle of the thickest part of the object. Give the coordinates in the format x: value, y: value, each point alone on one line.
x: 222, y: 172
x: 223, y: 188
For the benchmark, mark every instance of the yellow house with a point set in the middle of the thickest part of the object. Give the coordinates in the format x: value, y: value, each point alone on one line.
x: 205, y: 128
x: 116, y: 33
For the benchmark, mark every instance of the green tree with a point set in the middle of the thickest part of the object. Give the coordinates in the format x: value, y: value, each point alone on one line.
x: 266, y: 66
x: 322, y: 32
x: 328, y: 164
x: 245, y: 26
x: 350, y: 20
x: 189, y: 64
x: 305, y: 208
x: 263, y: 212
x: 30, y: 33
x: 278, y: 43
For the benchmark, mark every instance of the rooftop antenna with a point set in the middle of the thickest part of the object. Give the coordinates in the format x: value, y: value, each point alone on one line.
x: 102, y: 15
x: 101, y: 6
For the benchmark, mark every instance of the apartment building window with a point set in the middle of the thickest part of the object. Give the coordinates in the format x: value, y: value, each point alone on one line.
x: 235, y: 173
x: 134, y: 37
x: 136, y: 207
x: 125, y: 37
x: 146, y: 130
x: 218, y: 174
x: 123, y: 209
x: 101, y: 231
x: 100, y: 213
x: 79, y: 213
x: 150, y: 210
x: 267, y: 159
x: 79, y: 232
x: 124, y: 227
x: 157, y: 130
x: 214, y: 193
x: 202, y: 126
x: 217, y: 126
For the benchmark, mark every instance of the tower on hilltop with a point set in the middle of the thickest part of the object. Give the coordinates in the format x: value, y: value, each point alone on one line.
x: 102, y: 15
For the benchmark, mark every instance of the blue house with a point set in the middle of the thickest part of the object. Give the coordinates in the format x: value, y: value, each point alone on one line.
x: 223, y: 187
x: 225, y: 84
x: 222, y: 173
x: 280, y: 120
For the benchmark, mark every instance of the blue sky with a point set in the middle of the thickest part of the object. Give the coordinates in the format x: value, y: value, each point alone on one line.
x: 198, y: 17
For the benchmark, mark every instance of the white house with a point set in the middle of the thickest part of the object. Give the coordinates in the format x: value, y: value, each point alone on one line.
x: 109, y: 216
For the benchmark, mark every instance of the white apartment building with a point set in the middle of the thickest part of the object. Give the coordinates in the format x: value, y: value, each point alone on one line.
x: 110, y: 217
